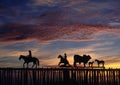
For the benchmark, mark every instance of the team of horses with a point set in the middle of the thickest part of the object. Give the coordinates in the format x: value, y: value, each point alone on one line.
x: 63, y: 62
x: 80, y: 59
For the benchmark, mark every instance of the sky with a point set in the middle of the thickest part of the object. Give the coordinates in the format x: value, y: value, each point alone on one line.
x: 53, y: 27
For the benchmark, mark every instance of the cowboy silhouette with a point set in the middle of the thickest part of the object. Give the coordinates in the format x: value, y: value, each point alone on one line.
x: 65, y: 56
x: 30, y: 54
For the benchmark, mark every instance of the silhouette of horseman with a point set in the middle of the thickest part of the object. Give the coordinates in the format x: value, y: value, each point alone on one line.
x: 30, y: 54
x: 29, y: 58
x: 63, y: 61
x: 65, y: 57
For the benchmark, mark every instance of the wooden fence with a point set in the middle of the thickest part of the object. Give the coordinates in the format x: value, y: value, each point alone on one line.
x: 59, y: 76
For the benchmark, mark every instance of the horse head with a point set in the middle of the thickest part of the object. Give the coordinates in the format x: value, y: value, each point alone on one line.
x: 21, y: 57
x: 59, y: 56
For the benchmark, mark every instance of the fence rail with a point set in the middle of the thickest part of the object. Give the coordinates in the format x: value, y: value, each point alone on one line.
x: 59, y: 76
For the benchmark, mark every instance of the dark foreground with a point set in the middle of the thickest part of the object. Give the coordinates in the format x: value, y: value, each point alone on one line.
x: 59, y: 76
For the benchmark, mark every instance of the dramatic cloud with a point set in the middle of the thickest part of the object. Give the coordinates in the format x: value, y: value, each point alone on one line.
x: 59, y: 12
x: 57, y: 2
x: 8, y: 3
x: 19, y: 32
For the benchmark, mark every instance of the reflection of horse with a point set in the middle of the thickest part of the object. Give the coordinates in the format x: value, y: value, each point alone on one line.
x: 63, y: 61
x: 100, y: 62
x: 91, y: 64
x: 79, y: 59
x: 28, y: 60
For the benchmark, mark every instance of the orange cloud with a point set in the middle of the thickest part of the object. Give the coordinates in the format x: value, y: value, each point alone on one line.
x: 20, y: 32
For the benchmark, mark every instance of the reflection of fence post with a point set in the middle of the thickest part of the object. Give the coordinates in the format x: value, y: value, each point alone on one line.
x: 73, y: 75
x: 66, y: 75
x: 44, y: 80
x: 95, y: 78
x: 26, y: 77
x: 86, y: 77
x: 59, y: 76
x: 20, y: 79
x: 34, y: 76
x: 114, y: 83
x: 119, y: 76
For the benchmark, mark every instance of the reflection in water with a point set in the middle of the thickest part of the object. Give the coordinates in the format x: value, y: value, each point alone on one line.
x: 59, y: 76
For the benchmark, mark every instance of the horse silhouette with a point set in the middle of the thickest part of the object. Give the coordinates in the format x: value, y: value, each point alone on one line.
x: 80, y: 59
x: 100, y: 62
x: 63, y: 62
x: 91, y: 64
x: 27, y: 60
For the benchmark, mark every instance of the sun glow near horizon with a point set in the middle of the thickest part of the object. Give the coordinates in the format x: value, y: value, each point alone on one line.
x: 54, y: 62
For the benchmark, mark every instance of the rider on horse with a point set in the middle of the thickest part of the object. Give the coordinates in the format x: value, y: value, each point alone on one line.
x: 64, y: 61
x: 30, y: 54
x: 65, y: 56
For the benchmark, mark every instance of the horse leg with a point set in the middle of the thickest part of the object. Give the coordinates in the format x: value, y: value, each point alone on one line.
x: 65, y: 64
x: 92, y: 65
x: 98, y: 65
x: 74, y: 64
x: 33, y: 65
x: 24, y: 65
x: 69, y: 64
x: 84, y: 65
x: 27, y: 65
x: 59, y: 63
x: 103, y: 64
x: 89, y: 65
x: 36, y: 65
